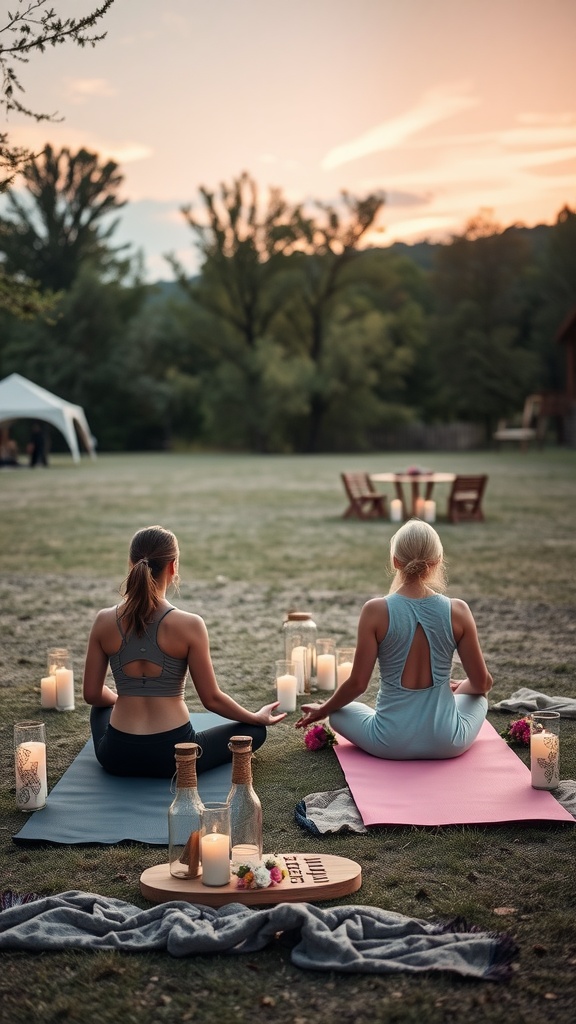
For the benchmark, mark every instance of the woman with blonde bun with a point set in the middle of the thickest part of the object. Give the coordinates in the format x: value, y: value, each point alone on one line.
x: 420, y: 713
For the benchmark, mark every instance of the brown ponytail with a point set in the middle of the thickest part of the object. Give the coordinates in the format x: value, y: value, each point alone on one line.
x: 151, y: 550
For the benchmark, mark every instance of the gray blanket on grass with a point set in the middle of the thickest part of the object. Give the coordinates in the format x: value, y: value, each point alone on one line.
x: 353, y: 939
x: 526, y: 699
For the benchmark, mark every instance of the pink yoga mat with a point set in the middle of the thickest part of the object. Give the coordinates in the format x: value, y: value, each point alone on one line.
x: 488, y: 783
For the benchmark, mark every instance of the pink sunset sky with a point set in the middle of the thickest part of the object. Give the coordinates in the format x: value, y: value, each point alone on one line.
x: 449, y: 107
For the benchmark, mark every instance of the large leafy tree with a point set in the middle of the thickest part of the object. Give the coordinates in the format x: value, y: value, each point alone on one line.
x: 61, y: 219
x: 30, y: 27
x: 330, y: 240
x: 244, y: 244
x: 270, y: 276
x: 482, y: 367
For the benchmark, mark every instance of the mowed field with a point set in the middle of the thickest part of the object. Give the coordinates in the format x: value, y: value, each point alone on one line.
x: 259, y: 536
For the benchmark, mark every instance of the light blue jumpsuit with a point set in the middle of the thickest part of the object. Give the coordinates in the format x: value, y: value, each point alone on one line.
x: 414, y: 724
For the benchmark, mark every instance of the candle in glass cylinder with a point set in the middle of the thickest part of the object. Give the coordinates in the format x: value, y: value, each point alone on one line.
x: 545, y: 750
x: 286, y: 690
x: 298, y: 656
x: 48, y: 692
x: 419, y: 508
x: 30, y: 765
x: 64, y: 689
x: 325, y: 664
x: 215, y: 856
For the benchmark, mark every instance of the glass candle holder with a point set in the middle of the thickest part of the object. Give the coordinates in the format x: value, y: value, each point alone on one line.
x: 344, y: 662
x: 215, y: 844
x: 286, y: 685
x: 325, y: 664
x: 545, y: 749
x: 30, y: 765
x: 61, y: 670
x: 300, y: 632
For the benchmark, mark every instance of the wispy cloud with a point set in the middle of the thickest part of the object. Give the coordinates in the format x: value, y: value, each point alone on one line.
x: 81, y: 89
x: 435, y: 105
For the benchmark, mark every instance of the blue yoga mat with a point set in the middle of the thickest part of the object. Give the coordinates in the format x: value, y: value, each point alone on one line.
x: 89, y: 806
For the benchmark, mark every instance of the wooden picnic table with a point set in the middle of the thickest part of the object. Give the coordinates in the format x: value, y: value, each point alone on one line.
x: 416, y: 481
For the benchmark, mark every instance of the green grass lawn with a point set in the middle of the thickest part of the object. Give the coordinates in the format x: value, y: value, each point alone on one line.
x: 260, y: 535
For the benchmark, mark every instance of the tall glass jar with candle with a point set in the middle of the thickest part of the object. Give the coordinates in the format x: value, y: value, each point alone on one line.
x: 325, y: 664
x: 245, y: 807
x: 60, y: 669
x: 344, y: 662
x: 300, y: 634
x: 184, y: 815
x: 545, y: 750
x: 30, y: 765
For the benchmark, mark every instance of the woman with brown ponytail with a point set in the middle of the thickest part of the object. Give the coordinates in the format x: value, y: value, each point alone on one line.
x: 420, y: 713
x: 150, y: 645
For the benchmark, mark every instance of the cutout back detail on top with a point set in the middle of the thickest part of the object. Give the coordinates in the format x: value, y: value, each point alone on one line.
x: 171, y: 680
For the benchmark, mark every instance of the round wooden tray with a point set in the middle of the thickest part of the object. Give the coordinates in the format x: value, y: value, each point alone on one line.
x: 311, y: 876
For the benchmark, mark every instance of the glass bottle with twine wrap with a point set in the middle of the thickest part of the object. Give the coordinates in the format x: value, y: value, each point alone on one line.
x: 184, y: 814
x: 245, y: 807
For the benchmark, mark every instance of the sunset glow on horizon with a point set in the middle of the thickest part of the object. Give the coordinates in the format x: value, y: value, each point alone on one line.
x: 448, y: 108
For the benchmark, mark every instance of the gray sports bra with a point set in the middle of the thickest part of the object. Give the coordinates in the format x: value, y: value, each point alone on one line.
x: 172, y: 679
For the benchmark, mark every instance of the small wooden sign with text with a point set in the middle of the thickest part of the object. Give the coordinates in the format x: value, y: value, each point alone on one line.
x: 310, y: 876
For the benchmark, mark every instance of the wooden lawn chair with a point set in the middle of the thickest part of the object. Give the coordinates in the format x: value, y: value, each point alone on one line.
x: 465, y: 498
x: 532, y: 426
x: 365, y: 501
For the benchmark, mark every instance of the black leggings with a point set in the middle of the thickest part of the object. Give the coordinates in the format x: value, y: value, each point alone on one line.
x: 122, y: 753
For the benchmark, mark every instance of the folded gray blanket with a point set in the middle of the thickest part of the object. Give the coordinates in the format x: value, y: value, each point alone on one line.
x: 352, y: 939
x: 526, y: 699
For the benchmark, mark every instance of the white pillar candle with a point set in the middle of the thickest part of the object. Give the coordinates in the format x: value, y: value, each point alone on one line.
x: 215, y: 856
x: 544, y: 760
x: 419, y: 508
x: 430, y: 511
x: 326, y: 671
x: 343, y: 671
x: 298, y: 656
x: 31, y: 781
x: 48, y: 692
x: 396, y: 510
x: 64, y: 689
x: 286, y: 690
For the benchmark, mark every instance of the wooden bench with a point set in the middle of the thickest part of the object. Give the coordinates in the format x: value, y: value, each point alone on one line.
x: 365, y: 502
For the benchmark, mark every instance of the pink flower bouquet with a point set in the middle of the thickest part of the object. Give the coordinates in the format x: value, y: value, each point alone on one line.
x: 319, y: 736
x: 518, y: 732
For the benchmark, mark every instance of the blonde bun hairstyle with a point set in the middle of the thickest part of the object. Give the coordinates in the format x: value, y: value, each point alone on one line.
x: 416, y: 553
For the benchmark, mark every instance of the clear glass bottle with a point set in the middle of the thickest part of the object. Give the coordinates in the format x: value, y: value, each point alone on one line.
x: 300, y: 647
x: 184, y: 815
x: 245, y: 807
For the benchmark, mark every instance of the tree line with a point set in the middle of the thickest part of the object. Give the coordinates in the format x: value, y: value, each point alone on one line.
x: 294, y: 336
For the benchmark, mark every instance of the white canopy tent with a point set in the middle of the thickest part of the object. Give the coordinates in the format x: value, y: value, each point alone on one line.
x: 21, y: 399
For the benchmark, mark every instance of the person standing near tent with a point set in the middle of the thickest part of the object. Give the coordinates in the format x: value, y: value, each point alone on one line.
x: 150, y: 645
x: 414, y: 632
x: 37, y: 446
